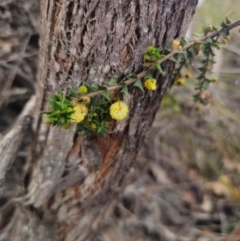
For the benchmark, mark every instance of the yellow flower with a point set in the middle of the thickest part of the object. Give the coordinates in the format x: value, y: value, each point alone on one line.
x: 93, y: 126
x: 180, y: 81
x: 66, y: 125
x: 176, y: 45
x: 225, y: 39
x: 47, y: 121
x: 89, y: 119
x: 74, y: 102
x: 80, y: 112
x: 197, y: 107
x: 197, y: 46
x: 214, y: 80
x: 187, y: 75
x: 85, y: 99
x: 208, y: 28
x: 150, y: 84
x: 119, y: 110
x: 82, y: 90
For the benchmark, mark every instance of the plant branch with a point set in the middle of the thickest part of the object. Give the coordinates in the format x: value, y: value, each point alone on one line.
x: 168, y: 56
x: 204, y: 74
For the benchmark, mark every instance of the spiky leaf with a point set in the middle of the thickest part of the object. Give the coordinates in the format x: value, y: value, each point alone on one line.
x: 138, y: 84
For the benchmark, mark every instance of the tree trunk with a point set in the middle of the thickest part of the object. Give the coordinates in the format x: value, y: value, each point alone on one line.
x: 72, y: 181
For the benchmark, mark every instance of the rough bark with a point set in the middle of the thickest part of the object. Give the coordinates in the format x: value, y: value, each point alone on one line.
x: 73, y: 180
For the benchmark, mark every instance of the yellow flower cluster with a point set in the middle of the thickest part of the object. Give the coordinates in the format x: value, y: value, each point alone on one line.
x: 80, y: 112
x: 150, y: 84
x: 176, y: 45
x: 82, y: 90
x: 119, y: 110
x: 197, y: 46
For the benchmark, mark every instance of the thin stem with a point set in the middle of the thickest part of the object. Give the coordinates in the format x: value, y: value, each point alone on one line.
x: 187, y: 46
x: 204, y: 74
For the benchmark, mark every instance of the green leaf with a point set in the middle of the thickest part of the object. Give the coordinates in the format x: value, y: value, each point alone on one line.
x: 91, y: 88
x: 183, y: 54
x: 223, y: 25
x: 72, y: 93
x: 99, y: 129
x: 161, y: 56
x: 55, y: 105
x: 197, y: 88
x: 131, y: 75
x: 158, y: 66
x: 94, y: 101
x: 200, y: 77
x: 101, y: 87
x: 147, y: 58
x: 106, y: 95
x: 195, y: 97
x: 227, y: 21
x: 209, y: 40
x: 138, y: 84
x: 173, y: 58
x: 183, y: 41
x: 202, y: 69
x: 125, y: 90
x: 149, y: 76
x: 197, y: 34
x: 112, y: 82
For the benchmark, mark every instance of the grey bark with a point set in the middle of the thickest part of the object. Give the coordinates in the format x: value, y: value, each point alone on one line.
x: 74, y: 180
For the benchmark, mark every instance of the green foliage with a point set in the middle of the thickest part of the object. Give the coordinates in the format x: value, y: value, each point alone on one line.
x: 138, y: 84
x: 60, y: 111
x: 96, y: 121
x: 153, y: 54
x: 89, y: 107
x: 204, y: 49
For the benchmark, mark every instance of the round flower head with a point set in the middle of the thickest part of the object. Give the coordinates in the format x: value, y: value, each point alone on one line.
x: 93, y: 126
x: 82, y: 90
x: 176, y: 45
x: 197, y: 107
x: 208, y: 28
x: 187, y: 75
x: 197, y: 46
x: 66, y: 125
x: 214, y: 80
x: 47, y: 121
x: 80, y: 111
x: 119, y: 110
x: 150, y: 84
x: 85, y: 99
x: 180, y: 81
